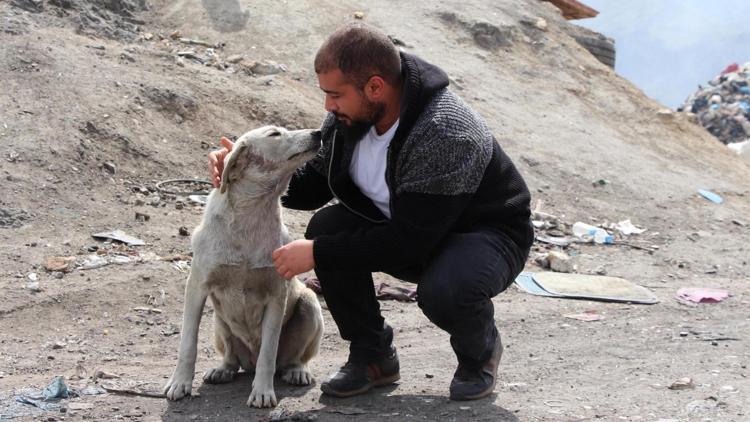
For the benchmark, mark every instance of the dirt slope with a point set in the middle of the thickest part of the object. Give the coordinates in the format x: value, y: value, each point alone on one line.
x: 99, y: 103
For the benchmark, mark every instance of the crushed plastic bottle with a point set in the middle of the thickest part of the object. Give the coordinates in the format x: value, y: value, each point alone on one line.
x: 599, y: 235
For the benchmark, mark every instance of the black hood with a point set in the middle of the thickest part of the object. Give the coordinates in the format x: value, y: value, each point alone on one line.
x: 421, y: 81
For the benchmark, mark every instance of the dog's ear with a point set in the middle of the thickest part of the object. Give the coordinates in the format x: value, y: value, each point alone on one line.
x: 229, y: 168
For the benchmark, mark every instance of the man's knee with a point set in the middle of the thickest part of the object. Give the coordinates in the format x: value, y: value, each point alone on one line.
x: 321, y: 223
x: 437, y: 301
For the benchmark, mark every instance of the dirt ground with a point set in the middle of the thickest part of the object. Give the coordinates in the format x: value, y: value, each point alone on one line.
x: 102, y: 100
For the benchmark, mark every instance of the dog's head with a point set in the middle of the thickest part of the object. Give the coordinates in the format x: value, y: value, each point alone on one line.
x: 263, y: 159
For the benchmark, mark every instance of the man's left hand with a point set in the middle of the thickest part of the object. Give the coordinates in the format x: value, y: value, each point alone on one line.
x: 294, y: 258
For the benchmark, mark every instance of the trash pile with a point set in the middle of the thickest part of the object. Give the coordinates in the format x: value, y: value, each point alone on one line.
x: 723, y: 107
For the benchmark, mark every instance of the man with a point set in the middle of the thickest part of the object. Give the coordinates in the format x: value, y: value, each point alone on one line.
x: 424, y: 193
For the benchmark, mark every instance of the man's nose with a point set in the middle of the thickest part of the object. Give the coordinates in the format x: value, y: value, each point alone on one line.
x: 330, y: 105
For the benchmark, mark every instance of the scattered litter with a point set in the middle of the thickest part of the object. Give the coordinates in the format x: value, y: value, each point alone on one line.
x: 97, y: 261
x: 683, y: 384
x: 181, y: 266
x: 716, y: 199
x: 33, y: 277
x: 199, y: 199
x: 59, y: 263
x: 563, y: 242
x: 47, y: 398
x: 627, y: 228
x: 723, y: 107
x: 701, y: 295
x: 119, y: 236
x: 402, y: 294
x: 587, y: 316
x: 581, y: 286
x: 588, y: 232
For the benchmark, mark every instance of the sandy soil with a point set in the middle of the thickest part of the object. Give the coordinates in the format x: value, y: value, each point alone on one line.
x: 99, y: 104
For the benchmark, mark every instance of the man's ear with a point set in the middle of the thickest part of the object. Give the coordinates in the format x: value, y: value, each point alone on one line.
x: 230, y: 168
x: 375, y: 88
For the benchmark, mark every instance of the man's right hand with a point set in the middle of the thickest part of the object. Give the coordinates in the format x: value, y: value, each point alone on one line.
x: 216, y: 161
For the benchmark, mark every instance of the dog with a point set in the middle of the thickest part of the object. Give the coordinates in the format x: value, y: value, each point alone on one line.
x: 263, y: 323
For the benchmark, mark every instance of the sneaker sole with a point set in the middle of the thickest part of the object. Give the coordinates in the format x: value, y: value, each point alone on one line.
x: 326, y: 388
x: 485, y: 393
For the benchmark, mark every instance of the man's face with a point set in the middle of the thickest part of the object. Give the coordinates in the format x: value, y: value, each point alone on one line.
x: 349, y: 103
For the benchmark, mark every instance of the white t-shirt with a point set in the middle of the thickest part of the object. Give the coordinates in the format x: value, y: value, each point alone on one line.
x: 368, y: 167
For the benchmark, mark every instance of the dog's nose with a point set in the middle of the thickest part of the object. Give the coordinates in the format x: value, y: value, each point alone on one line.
x: 316, y: 135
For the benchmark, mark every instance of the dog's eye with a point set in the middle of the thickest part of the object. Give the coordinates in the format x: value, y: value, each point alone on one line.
x: 274, y: 134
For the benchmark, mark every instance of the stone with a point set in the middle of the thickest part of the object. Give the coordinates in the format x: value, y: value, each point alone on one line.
x: 109, y: 167
x: 560, y: 262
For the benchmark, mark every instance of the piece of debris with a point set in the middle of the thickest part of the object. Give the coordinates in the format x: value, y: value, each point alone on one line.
x: 627, y: 228
x: 119, y: 236
x: 33, y: 277
x: 563, y: 242
x: 202, y: 43
x: 359, y: 15
x: 190, y: 55
x: 683, y: 384
x: 59, y: 263
x: 91, y: 262
x: 716, y: 199
x: 589, y: 233
x: 402, y: 294
x: 701, y: 295
x: 139, y: 216
x: 587, y: 316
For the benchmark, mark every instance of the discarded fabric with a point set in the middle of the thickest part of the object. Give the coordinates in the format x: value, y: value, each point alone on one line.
x: 702, y: 294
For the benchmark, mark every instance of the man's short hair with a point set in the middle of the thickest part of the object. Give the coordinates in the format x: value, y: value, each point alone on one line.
x: 360, y: 51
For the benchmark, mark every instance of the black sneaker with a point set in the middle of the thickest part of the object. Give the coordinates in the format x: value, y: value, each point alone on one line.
x: 472, y: 384
x: 359, y: 377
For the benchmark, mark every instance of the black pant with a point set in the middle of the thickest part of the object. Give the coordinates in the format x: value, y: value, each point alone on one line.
x: 454, y: 289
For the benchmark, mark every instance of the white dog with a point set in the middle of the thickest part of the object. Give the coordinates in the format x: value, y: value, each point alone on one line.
x: 241, y: 227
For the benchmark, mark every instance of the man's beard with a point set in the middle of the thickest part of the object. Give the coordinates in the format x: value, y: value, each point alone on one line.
x: 355, y: 129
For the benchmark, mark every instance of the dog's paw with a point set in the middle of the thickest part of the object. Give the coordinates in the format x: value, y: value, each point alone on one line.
x: 298, y: 375
x: 178, y: 387
x: 219, y: 375
x: 262, y: 398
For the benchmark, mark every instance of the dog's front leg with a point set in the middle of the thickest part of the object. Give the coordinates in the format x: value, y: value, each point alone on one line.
x: 181, y: 383
x: 262, y: 394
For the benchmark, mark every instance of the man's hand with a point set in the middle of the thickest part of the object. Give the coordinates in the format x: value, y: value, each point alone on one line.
x: 216, y: 161
x: 294, y: 258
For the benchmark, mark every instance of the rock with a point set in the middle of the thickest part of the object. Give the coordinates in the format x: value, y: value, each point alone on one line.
x: 235, y: 58
x: 109, y: 167
x: 99, y: 374
x: 175, y: 35
x: 58, y: 275
x: 560, y: 262
x: 683, y: 384
x: 59, y: 263
x: 184, y: 231
x: 541, y: 24
x: 265, y: 67
x: 139, y: 216
x: 32, y: 277
x: 58, y: 345
x: 359, y: 15
x: 33, y: 286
